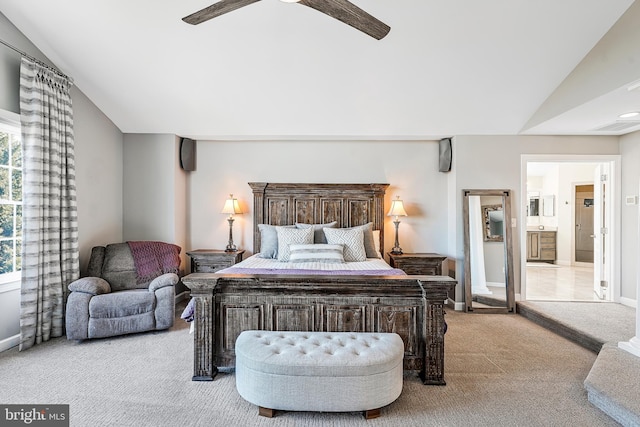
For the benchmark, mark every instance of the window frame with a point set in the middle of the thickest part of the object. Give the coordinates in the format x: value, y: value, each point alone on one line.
x: 10, y: 123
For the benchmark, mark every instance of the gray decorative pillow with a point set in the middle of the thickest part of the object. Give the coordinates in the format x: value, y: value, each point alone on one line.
x: 319, y: 252
x: 318, y: 234
x: 351, y: 238
x: 269, y: 240
x: 369, y: 241
x: 288, y: 236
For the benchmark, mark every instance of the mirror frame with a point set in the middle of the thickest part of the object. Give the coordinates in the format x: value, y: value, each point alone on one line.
x: 508, y: 252
x: 486, y: 220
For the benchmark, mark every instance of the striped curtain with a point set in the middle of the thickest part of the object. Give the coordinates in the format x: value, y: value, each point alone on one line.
x: 50, y: 258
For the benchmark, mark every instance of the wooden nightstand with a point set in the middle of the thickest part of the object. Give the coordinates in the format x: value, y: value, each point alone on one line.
x: 418, y: 264
x: 212, y: 260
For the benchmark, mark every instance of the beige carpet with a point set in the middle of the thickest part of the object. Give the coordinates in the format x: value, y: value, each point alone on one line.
x: 603, y: 321
x: 501, y: 370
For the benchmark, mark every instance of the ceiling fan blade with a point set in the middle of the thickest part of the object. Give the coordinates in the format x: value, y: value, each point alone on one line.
x: 216, y: 9
x: 350, y: 14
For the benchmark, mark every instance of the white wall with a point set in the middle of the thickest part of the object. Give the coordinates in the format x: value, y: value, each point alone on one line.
x: 410, y: 167
x: 630, y: 150
x: 10, y: 64
x: 433, y: 199
x: 9, y: 315
x: 493, y: 162
x: 99, y: 177
x: 155, y: 188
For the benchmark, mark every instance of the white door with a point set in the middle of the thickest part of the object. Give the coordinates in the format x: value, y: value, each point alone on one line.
x: 601, y: 227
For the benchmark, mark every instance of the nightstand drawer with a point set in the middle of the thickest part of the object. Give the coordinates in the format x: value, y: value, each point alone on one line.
x: 212, y: 260
x: 421, y: 270
x: 418, y: 264
x: 209, y: 266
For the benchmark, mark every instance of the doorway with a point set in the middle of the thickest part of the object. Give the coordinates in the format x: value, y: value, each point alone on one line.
x: 584, y: 223
x: 565, y: 231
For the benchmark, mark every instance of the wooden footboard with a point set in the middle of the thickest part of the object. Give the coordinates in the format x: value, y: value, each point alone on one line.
x: 411, y: 306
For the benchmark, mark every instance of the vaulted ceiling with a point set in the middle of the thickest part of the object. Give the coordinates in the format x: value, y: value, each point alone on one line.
x: 281, y: 70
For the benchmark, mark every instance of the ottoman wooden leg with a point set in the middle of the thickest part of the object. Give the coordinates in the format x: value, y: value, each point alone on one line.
x: 372, y: 413
x: 266, y: 412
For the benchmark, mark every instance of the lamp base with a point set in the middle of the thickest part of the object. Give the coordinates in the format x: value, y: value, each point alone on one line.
x: 396, y: 250
x: 230, y: 246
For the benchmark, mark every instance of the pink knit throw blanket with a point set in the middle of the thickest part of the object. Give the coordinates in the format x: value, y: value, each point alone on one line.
x: 153, y: 259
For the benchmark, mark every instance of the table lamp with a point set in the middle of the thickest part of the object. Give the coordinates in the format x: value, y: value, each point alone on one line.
x: 231, y: 207
x: 397, y: 209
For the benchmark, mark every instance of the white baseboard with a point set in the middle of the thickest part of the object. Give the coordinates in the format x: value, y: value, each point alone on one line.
x: 9, y: 287
x: 632, y: 346
x: 497, y: 284
x: 457, y: 306
x: 583, y: 264
x: 10, y: 342
x: 629, y: 302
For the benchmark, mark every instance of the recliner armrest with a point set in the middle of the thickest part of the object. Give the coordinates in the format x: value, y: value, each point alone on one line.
x: 167, y: 279
x: 90, y: 285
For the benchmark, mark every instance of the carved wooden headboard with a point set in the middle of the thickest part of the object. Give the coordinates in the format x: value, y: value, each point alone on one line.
x: 348, y: 204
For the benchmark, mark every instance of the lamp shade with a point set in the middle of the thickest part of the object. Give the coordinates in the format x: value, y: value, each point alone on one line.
x: 231, y: 206
x: 397, y: 208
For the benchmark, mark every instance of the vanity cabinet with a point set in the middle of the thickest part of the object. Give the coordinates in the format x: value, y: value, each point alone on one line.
x: 541, y: 246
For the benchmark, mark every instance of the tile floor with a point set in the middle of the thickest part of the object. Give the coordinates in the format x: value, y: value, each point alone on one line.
x: 551, y: 282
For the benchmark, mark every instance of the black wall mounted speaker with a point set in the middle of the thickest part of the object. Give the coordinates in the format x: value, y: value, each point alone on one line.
x: 444, y: 159
x: 188, y: 154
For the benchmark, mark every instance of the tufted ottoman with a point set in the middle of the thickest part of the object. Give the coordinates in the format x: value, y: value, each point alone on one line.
x: 319, y: 371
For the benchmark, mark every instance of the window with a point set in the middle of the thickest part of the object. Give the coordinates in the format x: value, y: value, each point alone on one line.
x: 10, y: 200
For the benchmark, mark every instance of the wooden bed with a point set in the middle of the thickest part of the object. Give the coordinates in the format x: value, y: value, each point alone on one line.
x: 227, y: 304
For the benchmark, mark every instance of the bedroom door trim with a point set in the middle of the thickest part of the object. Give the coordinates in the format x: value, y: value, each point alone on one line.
x: 613, y: 212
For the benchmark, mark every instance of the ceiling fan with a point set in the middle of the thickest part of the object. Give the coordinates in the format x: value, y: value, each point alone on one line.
x: 342, y: 10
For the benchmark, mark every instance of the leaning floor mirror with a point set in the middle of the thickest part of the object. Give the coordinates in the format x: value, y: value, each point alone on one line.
x: 488, y: 251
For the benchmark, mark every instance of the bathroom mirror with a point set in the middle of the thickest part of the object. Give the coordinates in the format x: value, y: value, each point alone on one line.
x: 534, y: 206
x: 548, y: 205
x: 488, y: 263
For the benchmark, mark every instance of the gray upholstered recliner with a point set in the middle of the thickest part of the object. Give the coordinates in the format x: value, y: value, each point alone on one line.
x: 114, y: 300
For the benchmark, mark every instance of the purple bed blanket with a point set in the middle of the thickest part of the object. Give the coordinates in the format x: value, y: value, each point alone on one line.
x: 240, y: 270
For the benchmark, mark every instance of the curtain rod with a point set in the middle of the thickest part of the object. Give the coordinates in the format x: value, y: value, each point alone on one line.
x: 36, y: 60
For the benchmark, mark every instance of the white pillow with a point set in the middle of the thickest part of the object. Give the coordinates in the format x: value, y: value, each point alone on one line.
x: 376, y: 242
x: 288, y: 236
x: 351, y: 238
x: 316, y: 253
